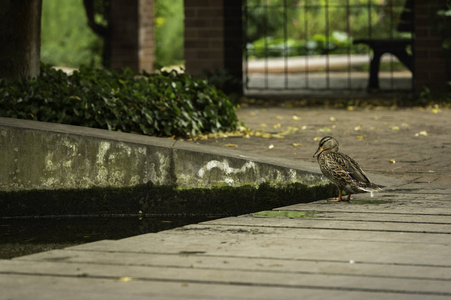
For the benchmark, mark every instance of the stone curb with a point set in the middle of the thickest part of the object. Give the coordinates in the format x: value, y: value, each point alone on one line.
x: 38, y: 155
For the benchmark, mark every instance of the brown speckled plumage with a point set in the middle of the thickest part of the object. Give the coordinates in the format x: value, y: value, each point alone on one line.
x: 342, y: 169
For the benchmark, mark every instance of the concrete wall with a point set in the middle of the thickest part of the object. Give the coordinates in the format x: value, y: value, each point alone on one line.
x: 37, y: 155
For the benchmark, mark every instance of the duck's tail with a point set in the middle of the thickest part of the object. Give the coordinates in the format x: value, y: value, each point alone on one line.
x: 370, y: 189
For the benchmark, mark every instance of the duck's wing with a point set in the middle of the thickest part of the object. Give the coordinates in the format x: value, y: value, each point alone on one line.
x: 349, y: 167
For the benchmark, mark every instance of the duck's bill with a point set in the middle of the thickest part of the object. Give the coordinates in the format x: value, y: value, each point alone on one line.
x: 318, y: 151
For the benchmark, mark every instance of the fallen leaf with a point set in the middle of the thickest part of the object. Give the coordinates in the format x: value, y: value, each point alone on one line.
x: 278, y: 136
x: 296, y: 118
x: 357, y: 128
x: 423, y: 133
x: 393, y: 161
x: 290, y: 130
x: 279, y: 117
x: 271, y: 146
x: 436, y: 109
x: 266, y: 135
x: 304, y: 127
x: 277, y: 126
x: 296, y: 144
x: 317, y: 139
x: 231, y: 145
x: 405, y: 125
x: 125, y: 279
x: 395, y: 128
x: 361, y: 137
x: 325, y: 129
x: 332, y: 119
x: 350, y: 108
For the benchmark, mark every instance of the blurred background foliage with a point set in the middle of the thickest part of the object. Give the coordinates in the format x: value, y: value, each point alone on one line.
x: 301, y: 28
x: 67, y: 41
x: 318, y: 27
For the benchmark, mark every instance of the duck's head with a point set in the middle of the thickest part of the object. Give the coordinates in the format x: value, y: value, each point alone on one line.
x: 327, y: 143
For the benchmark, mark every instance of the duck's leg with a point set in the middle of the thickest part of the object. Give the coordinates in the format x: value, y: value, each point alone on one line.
x: 348, y: 198
x: 339, y: 197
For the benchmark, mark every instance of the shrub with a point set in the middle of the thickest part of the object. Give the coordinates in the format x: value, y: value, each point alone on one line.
x: 163, y: 104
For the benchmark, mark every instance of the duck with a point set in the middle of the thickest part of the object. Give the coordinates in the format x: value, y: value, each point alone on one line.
x: 342, y: 170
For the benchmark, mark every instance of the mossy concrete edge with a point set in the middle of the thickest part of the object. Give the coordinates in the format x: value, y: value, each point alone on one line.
x: 38, y: 155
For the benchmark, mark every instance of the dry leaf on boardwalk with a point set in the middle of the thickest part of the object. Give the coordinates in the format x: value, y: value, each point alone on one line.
x: 325, y: 129
x: 423, y: 133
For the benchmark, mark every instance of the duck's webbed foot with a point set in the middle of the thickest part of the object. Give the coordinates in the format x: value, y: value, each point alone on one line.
x: 340, y: 198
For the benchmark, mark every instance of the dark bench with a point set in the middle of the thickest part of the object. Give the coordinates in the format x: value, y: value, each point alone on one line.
x: 397, y: 47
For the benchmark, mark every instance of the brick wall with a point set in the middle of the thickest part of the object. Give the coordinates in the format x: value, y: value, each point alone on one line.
x: 432, y: 67
x: 132, y: 43
x: 146, y: 52
x: 213, y: 36
x: 204, y: 35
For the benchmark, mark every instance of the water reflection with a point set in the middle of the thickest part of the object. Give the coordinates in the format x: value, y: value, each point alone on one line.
x: 23, y: 236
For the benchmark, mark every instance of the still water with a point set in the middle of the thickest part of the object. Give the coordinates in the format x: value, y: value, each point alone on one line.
x: 27, y: 235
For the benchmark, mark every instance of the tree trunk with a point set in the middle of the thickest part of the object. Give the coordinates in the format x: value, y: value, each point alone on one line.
x: 20, y: 38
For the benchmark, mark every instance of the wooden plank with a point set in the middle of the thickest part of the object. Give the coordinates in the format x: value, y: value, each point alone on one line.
x: 271, y: 265
x: 230, y: 277
x: 283, y: 243
x: 321, y: 223
x: 395, y: 207
x: 383, y: 217
x: 26, y: 287
x: 225, y: 231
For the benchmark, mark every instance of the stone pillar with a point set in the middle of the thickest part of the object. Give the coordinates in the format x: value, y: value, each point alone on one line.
x: 132, y: 35
x: 432, y: 67
x: 213, y: 36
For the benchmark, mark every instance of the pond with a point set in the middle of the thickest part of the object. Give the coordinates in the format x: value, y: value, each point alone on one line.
x: 28, y: 235
x: 40, y: 220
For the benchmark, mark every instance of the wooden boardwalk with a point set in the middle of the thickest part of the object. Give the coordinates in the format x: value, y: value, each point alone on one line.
x: 397, y: 249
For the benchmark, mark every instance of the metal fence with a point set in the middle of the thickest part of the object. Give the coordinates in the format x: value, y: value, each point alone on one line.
x: 328, y: 44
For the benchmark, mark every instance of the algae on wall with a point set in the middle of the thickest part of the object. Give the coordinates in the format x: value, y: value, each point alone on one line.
x: 37, y: 160
x: 154, y: 200
x: 67, y: 170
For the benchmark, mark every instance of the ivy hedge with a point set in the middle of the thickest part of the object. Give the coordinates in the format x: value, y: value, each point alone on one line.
x: 164, y: 104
